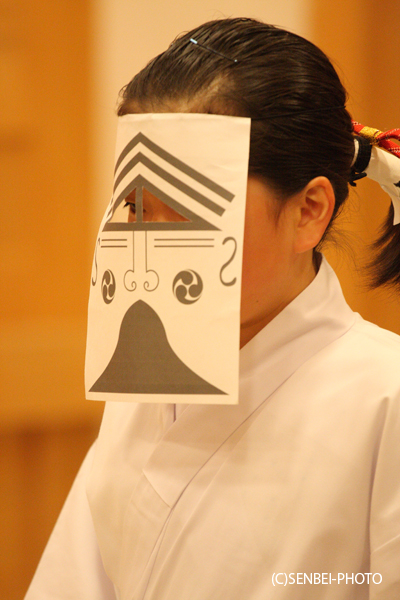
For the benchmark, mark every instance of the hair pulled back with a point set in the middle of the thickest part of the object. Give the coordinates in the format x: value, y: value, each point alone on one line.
x: 300, y: 128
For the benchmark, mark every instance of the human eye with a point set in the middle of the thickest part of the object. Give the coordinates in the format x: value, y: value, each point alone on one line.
x: 132, y: 207
x: 131, y: 204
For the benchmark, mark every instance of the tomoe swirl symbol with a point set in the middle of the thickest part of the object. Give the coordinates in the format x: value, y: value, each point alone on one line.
x: 187, y: 287
x: 108, y: 287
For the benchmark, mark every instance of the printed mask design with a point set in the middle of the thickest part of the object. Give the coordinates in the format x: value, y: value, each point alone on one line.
x: 164, y: 303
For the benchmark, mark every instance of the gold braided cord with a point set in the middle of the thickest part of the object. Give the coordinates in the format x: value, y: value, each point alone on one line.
x: 370, y: 134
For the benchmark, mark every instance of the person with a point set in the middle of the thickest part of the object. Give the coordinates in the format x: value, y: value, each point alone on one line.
x: 294, y: 493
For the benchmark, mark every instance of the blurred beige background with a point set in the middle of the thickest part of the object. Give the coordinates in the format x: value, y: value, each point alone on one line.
x: 62, y: 64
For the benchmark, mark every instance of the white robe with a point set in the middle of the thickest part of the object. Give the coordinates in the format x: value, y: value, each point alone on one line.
x: 302, y: 477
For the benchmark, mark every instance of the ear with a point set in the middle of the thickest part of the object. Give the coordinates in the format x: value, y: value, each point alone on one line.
x: 313, y: 209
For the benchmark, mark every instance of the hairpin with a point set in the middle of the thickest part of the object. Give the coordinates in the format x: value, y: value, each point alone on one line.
x: 213, y: 51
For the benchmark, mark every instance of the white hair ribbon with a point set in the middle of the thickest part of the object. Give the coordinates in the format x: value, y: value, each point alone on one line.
x: 383, y: 164
x: 384, y: 168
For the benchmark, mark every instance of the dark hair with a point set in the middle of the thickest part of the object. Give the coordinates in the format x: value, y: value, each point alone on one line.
x: 384, y: 269
x: 300, y: 127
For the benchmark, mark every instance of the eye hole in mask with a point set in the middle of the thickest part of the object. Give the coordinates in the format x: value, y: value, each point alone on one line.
x: 153, y: 210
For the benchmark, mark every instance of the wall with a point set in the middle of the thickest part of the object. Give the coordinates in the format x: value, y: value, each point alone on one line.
x: 45, y: 424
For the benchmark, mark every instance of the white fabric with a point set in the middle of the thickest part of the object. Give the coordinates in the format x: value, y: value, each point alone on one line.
x: 301, y: 477
x: 71, y: 566
x: 384, y: 168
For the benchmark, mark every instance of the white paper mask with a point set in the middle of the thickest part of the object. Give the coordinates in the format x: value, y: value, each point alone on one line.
x: 164, y: 307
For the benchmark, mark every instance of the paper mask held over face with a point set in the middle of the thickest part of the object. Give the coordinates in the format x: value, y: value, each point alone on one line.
x: 164, y: 307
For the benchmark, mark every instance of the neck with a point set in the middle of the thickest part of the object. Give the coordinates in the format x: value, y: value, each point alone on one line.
x: 304, y: 273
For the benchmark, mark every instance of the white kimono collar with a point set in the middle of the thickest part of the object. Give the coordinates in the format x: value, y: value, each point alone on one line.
x: 319, y: 313
x: 317, y: 317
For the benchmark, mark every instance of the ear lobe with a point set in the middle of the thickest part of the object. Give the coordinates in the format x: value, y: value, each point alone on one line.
x: 314, y: 211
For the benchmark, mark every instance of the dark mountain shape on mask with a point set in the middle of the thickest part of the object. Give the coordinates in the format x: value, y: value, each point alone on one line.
x: 144, y: 362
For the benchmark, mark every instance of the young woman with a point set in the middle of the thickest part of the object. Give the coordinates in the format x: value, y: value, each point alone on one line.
x: 295, y: 492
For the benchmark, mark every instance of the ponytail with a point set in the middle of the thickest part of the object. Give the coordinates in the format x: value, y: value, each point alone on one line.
x: 384, y: 268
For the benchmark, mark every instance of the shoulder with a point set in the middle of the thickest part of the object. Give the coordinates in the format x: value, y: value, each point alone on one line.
x: 384, y: 345
x: 366, y: 358
x: 377, y: 335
